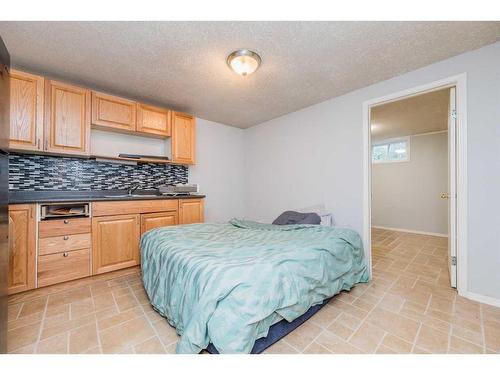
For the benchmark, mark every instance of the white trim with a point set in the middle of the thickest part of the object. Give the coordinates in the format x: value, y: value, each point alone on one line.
x: 482, y: 298
x: 460, y: 82
x: 411, y: 231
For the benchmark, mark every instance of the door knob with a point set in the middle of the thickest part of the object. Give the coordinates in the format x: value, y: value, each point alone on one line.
x: 445, y: 196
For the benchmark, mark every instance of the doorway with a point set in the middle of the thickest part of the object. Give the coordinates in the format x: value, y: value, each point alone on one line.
x: 389, y: 144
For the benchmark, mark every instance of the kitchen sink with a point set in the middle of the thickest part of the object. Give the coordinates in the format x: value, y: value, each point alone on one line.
x: 130, y: 196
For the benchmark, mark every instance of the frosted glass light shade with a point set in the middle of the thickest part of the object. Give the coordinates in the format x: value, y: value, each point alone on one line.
x: 243, y: 61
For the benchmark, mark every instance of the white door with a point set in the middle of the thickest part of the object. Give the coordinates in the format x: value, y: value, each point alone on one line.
x: 452, y: 195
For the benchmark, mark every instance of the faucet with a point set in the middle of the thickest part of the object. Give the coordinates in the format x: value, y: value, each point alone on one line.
x: 132, y: 189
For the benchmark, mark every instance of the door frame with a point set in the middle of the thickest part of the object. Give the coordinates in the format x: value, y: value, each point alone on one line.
x: 460, y: 83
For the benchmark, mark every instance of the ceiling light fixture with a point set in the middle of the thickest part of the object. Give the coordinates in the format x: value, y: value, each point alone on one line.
x: 243, y: 61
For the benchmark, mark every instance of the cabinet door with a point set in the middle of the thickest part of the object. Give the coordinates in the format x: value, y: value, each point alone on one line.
x: 115, y: 242
x: 153, y: 120
x: 22, y: 242
x: 159, y: 219
x: 67, y: 119
x: 183, y: 138
x: 191, y: 211
x: 112, y: 112
x: 26, y: 111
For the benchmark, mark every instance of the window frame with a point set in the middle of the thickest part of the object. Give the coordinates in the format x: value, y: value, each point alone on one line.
x: 388, y: 142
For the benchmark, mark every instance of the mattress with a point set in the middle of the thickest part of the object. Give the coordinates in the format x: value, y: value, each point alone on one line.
x: 227, y: 284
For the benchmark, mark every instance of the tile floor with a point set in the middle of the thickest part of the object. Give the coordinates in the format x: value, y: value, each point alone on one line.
x: 408, y: 307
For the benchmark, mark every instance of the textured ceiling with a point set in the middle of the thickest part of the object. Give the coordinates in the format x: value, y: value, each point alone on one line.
x: 182, y: 64
x: 415, y: 115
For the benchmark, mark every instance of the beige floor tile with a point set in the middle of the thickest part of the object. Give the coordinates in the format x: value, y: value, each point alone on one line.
x: 13, y: 311
x: 367, y: 337
x: 23, y: 336
x: 109, y: 320
x: 316, y: 348
x: 464, y: 347
x: 150, y: 346
x: 126, y: 301
x: 325, y: 316
x: 166, y: 332
x: 27, y: 320
x: 392, y: 303
x: 280, y: 347
x: 103, y: 301
x: 397, y: 344
x: 382, y: 349
x: 53, y: 345
x: 170, y: 349
x: 118, y: 338
x: 33, y: 307
x: 432, y: 340
x: 335, y: 344
x: 394, y: 323
x: 56, y: 328
x: 492, y: 335
x: 350, y: 309
x: 339, y: 329
x: 301, y: 337
x: 69, y: 296
x: 83, y: 339
x: 29, y: 349
x: 81, y: 308
x: 474, y: 337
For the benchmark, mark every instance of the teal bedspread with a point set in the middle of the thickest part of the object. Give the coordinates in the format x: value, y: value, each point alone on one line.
x: 228, y: 283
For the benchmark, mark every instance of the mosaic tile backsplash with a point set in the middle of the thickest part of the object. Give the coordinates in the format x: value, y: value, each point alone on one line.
x: 37, y: 172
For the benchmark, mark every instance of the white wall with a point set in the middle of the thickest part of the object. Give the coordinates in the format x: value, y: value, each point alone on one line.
x: 316, y: 156
x: 406, y: 195
x: 219, y: 170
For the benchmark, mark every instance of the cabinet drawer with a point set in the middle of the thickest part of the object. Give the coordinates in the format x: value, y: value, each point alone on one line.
x: 53, y: 228
x: 56, y: 268
x: 133, y: 207
x: 60, y: 244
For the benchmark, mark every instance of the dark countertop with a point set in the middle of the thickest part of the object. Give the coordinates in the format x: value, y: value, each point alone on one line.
x: 49, y: 196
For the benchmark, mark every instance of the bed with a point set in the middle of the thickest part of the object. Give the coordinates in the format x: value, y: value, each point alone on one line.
x: 225, y: 285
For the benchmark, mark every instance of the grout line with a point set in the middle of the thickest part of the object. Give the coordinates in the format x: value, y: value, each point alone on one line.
x: 150, y: 323
x: 96, y: 323
x: 42, y: 324
x: 481, y: 320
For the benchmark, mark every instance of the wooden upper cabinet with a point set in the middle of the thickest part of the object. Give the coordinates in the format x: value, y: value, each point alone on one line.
x: 191, y: 211
x: 153, y: 120
x: 112, y: 112
x: 26, y: 111
x: 183, y: 138
x: 115, y: 242
x: 157, y: 219
x: 22, y: 248
x: 67, y: 118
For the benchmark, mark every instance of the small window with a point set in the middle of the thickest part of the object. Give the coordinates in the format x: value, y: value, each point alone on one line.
x: 391, y: 151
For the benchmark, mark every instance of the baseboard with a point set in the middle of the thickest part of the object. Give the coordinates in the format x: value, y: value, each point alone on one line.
x: 411, y: 231
x: 482, y: 298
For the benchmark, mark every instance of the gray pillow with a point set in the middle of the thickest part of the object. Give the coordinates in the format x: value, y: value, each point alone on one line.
x: 293, y: 217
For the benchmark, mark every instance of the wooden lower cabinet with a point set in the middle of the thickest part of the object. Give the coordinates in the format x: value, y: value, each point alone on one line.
x: 64, y: 266
x: 115, y: 242
x: 191, y: 211
x: 158, y: 219
x: 22, y: 248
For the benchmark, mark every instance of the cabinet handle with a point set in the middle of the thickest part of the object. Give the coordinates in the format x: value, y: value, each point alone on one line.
x: 38, y: 144
x: 65, y: 238
x: 66, y: 221
x: 46, y: 147
x: 65, y: 255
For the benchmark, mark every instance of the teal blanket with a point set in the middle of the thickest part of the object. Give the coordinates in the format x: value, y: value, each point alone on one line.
x: 228, y: 283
